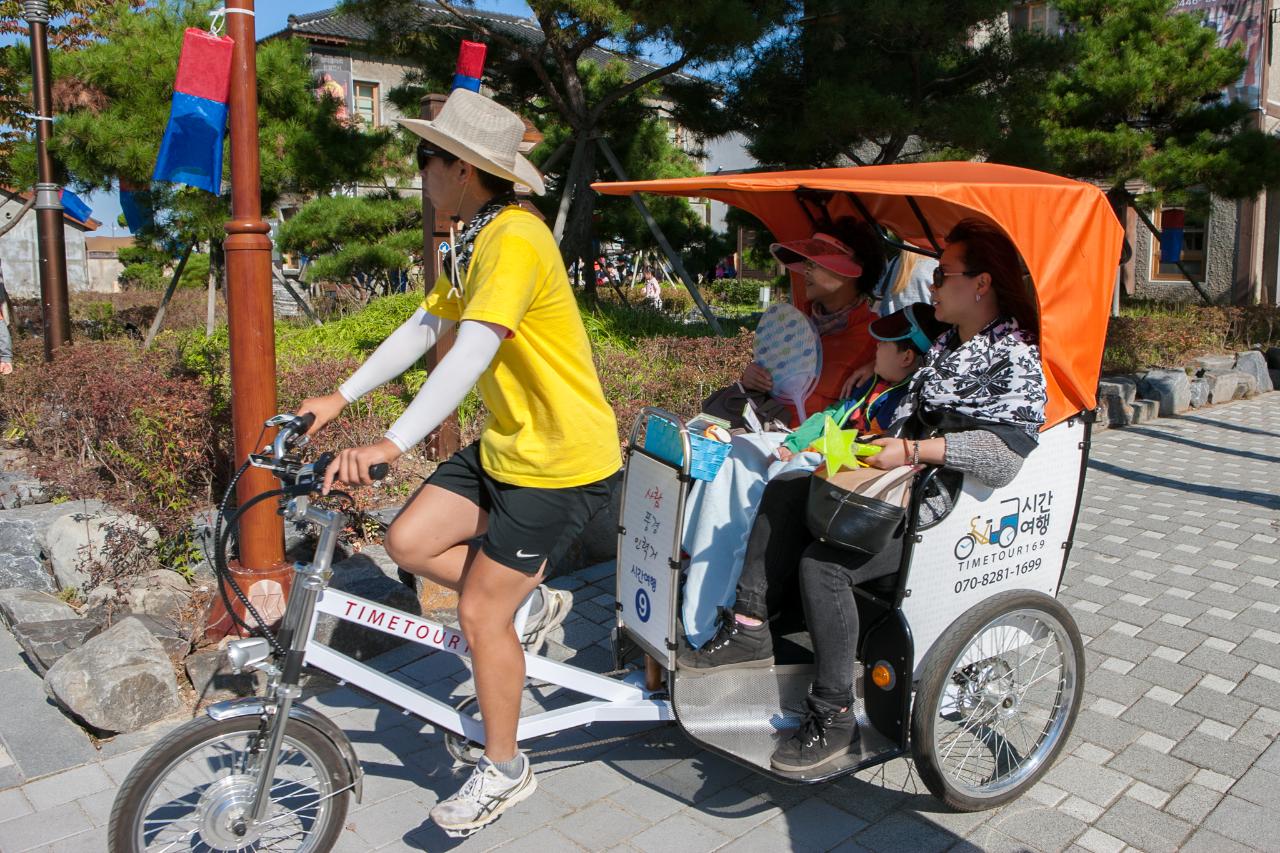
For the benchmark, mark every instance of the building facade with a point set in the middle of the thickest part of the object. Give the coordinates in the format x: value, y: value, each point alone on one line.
x: 19, y: 249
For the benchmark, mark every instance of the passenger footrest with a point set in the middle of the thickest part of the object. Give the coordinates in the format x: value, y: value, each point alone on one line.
x: 745, y: 713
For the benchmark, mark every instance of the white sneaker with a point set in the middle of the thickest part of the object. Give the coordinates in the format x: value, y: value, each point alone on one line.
x: 484, y: 797
x: 556, y: 604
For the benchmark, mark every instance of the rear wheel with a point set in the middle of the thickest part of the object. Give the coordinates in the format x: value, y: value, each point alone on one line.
x: 997, y: 700
x: 192, y: 789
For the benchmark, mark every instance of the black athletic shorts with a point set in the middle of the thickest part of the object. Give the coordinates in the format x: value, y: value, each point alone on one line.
x: 527, y: 526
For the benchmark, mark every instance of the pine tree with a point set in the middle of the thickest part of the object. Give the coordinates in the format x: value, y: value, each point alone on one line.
x: 1143, y: 98
x: 867, y: 82
x: 549, y: 78
x: 123, y: 84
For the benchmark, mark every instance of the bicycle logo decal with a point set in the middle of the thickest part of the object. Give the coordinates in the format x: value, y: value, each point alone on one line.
x: 1018, y: 515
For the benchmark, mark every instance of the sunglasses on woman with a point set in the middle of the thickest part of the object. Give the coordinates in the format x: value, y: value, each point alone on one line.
x: 940, y: 277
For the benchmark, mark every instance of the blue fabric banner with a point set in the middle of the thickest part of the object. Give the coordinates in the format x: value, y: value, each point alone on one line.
x: 136, y: 216
x: 75, y: 206
x: 1171, y: 245
x: 191, y: 151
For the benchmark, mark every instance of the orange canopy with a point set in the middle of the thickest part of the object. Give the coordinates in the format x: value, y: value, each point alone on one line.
x: 1068, y: 236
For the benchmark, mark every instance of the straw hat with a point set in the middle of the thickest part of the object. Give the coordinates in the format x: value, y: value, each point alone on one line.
x: 483, y: 133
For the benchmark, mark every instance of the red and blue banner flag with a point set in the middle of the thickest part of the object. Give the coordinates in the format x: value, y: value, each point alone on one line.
x: 470, y: 66
x: 1172, y: 228
x: 191, y: 151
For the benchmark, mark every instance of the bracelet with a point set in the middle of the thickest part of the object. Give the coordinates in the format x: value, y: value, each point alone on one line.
x: 915, y: 453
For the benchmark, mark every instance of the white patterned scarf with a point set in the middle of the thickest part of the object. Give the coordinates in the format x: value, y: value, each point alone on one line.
x: 995, y: 377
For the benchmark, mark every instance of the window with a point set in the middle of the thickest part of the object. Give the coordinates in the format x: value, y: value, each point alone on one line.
x: 1194, y: 231
x: 1031, y: 17
x: 366, y: 103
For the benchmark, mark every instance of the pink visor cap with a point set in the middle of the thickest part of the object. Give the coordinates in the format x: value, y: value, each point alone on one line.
x: 824, y: 250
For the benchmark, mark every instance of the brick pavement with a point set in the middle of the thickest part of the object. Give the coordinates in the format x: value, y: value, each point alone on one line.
x: 1174, y: 581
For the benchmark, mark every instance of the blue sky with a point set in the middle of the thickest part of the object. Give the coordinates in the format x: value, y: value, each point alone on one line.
x: 271, y: 17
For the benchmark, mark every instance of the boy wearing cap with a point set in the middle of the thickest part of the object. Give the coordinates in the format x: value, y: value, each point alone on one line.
x: 903, y: 338
x: 492, y: 517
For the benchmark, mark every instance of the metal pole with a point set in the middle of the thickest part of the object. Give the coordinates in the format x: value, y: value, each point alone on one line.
x: 250, y: 313
x: 49, y: 223
x: 663, y: 243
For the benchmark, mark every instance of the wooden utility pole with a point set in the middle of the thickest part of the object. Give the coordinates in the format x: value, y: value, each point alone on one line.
x: 250, y: 313
x: 50, y: 239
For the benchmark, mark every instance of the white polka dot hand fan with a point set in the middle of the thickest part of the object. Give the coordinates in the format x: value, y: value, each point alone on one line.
x: 787, y: 345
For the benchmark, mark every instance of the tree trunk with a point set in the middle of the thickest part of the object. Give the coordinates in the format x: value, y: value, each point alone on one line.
x: 576, y: 242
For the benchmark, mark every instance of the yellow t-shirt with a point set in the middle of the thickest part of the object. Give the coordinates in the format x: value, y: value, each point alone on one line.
x: 549, y: 424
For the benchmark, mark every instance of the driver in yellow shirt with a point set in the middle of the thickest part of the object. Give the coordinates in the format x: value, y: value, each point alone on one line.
x: 492, y: 517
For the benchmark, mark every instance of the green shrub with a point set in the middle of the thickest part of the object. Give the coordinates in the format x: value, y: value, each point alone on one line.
x: 1154, y: 334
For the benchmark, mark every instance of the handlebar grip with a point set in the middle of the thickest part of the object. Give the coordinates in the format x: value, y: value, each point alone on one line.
x: 305, y: 422
x: 378, y: 470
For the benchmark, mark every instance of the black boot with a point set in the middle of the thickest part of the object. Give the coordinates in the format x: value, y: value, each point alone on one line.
x: 733, y: 646
x: 825, y: 733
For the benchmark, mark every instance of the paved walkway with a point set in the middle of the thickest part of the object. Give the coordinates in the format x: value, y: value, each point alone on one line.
x: 1174, y: 583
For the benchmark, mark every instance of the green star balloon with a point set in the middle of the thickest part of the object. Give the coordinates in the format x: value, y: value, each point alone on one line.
x: 838, y: 446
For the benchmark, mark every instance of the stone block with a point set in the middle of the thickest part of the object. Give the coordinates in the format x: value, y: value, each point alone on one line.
x: 1200, y: 389
x: 1254, y: 363
x: 78, y: 539
x: 213, y: 680
x: 48, y: 642
x: 1170, y: 388
x: 163, y: 594
x: 1118, y: 392
x: 1215, y: 363
x: 1103, y: 415
x: 118, y: 681
x: 21, y: 543
x: 19, y: 606
x: 1143, y: 411
x: 172, y: 635
x: 17, y: 490
x: 1227, y: 385
x: 369, y: 574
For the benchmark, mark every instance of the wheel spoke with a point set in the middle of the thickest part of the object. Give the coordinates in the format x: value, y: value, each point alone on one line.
x: 1005, y: 703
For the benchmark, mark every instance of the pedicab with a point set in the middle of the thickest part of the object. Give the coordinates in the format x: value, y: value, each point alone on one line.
x: 968, y: 662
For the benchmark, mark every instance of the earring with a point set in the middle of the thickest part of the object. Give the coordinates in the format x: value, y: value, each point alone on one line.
x: 977, y: 297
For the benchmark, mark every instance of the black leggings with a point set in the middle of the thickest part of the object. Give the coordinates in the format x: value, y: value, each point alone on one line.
x: 779, y: 548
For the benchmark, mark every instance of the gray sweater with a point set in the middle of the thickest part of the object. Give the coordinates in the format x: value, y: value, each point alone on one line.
x: 6, y: 343
x: 979, y: 454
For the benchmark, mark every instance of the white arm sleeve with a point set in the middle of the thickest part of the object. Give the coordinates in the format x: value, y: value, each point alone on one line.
x: 396, y: 354
x: 449, y: 383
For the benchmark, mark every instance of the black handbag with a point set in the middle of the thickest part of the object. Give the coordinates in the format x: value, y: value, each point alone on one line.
x: 861, y: 510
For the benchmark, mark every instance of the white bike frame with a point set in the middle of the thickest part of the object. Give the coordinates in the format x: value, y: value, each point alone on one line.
x: 611, y: 699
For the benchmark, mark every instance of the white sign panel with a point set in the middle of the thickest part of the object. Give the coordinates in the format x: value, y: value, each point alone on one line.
x: 647, y: 552
x: 996, y: 540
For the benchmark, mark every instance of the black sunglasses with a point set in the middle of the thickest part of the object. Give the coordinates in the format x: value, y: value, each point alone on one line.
x: 940, y: 277
x: 426, y: 151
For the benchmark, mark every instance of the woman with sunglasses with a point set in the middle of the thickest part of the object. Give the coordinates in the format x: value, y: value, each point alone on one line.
x: 975, y: 408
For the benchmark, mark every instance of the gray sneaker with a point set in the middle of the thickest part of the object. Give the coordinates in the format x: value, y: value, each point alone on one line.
x: 556, y: 604
x: 483, y: 799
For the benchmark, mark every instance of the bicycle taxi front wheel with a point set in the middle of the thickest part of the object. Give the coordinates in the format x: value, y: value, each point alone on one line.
x: 997, y: 700
x: 192, y: 789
